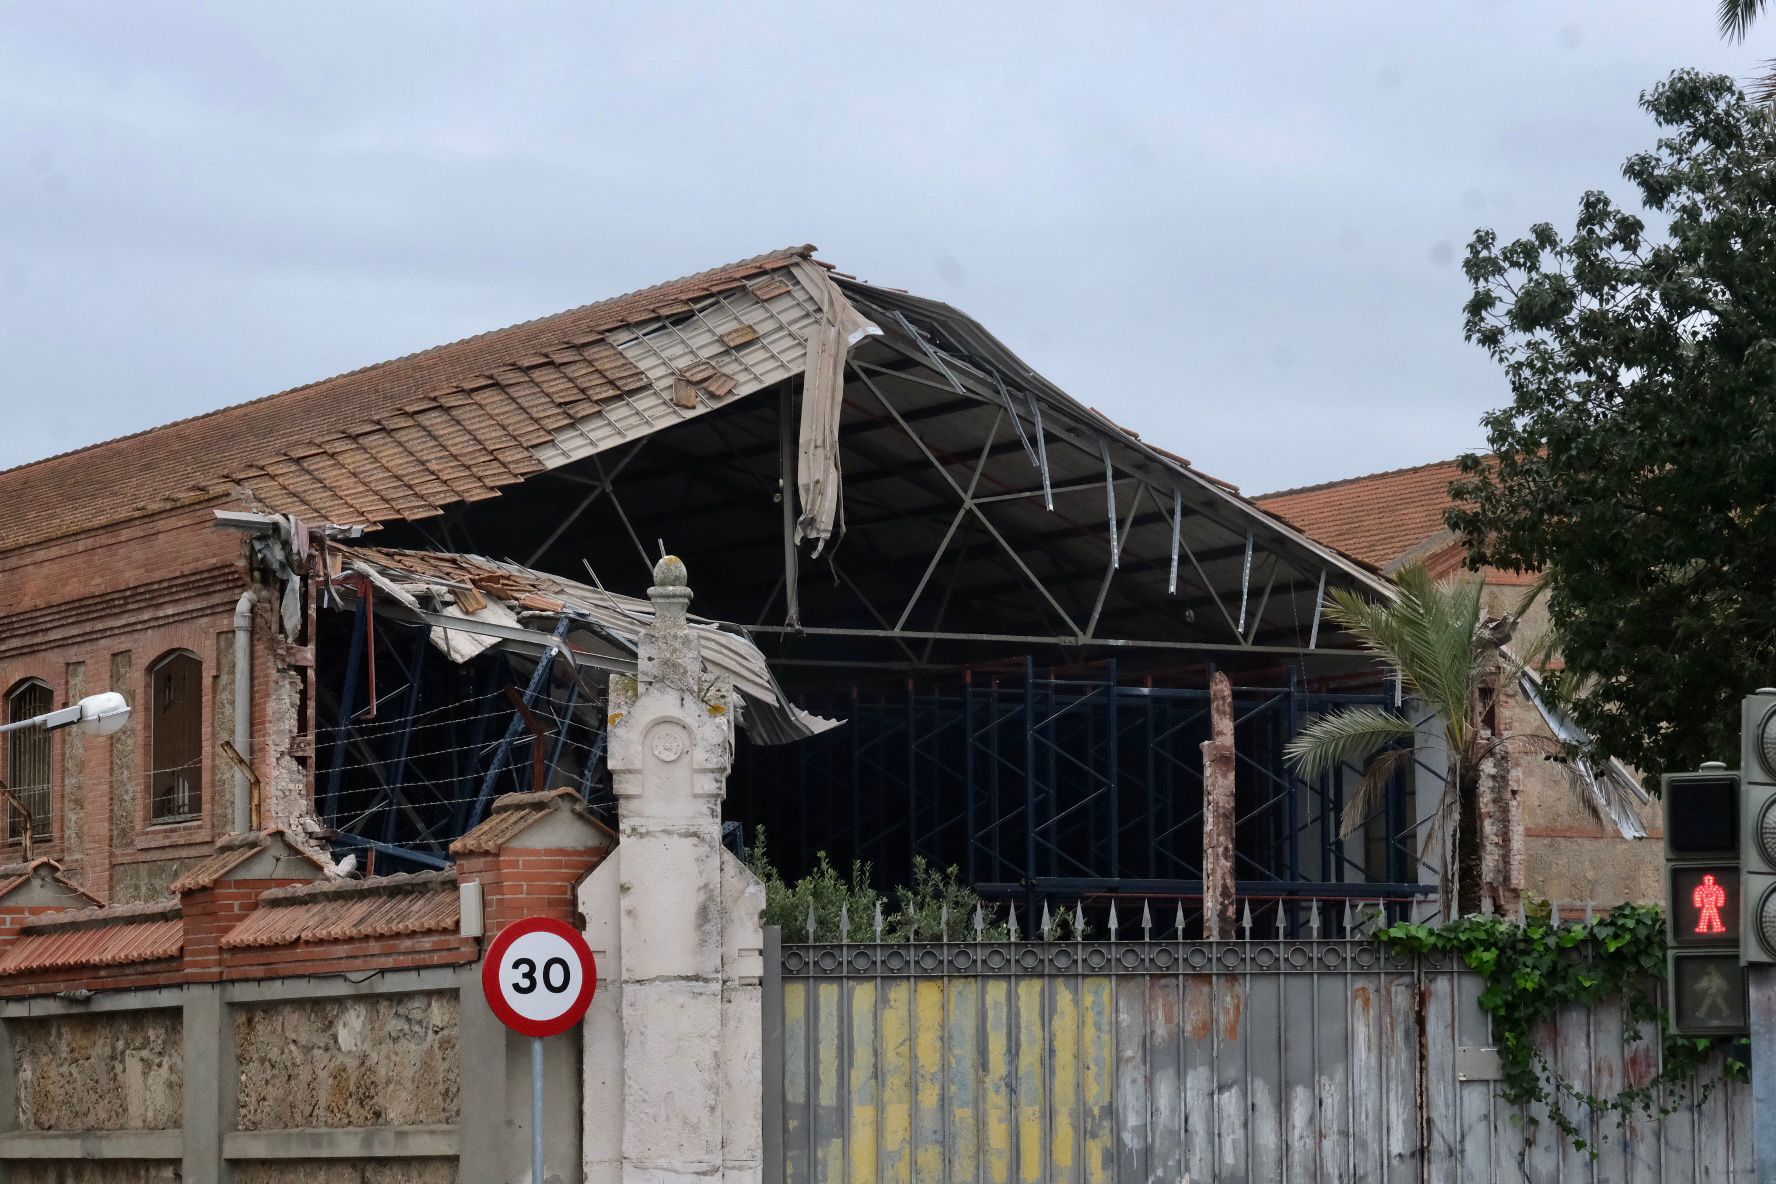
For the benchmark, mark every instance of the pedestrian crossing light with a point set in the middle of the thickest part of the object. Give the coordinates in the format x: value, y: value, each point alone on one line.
x: 1757, y: 826
x: 1703, y: 908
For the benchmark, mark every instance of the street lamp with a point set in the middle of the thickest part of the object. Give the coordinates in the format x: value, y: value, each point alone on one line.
x: 96, y: 715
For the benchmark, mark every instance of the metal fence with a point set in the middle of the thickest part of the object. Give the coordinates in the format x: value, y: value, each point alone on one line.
x: 1260, y: 1060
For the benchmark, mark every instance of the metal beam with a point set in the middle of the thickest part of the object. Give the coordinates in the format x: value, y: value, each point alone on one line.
x: 1074, y: 641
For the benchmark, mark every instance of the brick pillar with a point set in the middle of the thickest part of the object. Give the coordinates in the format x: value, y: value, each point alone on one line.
x: 528, y: 859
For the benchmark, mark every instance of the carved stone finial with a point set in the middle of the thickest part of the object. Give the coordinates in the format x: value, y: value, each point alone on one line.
x: 671, y: 595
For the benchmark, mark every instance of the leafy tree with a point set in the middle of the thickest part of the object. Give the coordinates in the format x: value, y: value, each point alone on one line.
x: 1636, y: 462
x: 1434, y: 638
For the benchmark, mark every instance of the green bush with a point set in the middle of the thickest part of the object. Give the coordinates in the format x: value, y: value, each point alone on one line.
x: 914, y: 912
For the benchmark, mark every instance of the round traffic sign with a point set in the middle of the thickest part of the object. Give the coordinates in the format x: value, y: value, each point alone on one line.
x: 539, y: 976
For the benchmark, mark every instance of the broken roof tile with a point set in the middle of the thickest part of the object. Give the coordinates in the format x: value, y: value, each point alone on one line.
x: 380, y: 906
x: 208, y: 454
x: 514, y: 813
x: 112, y: 936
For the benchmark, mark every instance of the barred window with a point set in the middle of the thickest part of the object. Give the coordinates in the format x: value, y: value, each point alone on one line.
x: 27, y: 761
x: 175, y: 741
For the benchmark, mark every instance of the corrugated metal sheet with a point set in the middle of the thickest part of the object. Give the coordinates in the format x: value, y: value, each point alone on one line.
x: 386, y: 906
x: 608, y: 625
x: 1162, y: 1061
x: 90, y: 943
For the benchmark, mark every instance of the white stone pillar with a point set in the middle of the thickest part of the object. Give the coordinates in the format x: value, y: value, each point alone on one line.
x: 671, y: 746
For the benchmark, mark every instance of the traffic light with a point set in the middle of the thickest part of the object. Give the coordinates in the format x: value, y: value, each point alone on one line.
x: 1705, y: 979
x: 1757, y: 825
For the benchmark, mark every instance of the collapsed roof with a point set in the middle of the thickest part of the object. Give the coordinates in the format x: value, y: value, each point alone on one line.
x: 470, y: 604
x: 912, y: 437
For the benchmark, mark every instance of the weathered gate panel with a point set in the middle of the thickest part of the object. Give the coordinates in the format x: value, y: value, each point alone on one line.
x: 1322, y: 1061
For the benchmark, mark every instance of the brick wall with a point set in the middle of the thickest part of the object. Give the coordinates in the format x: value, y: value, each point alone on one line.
x: 94, y: 612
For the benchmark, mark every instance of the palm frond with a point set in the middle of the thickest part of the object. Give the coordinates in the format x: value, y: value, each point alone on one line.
x: 1763, y: 88
x: 1426, y: 635
x: 1370, y: 790
x: 1736, y: 17
x: 1353, y: 734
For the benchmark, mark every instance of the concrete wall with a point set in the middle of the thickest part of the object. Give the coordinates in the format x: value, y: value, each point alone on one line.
x: 323, y: 1171
x: 118, y: 1172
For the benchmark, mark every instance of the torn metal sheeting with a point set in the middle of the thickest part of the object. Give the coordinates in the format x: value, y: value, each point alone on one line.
x: 522, y: 605
x: 1612, y: 792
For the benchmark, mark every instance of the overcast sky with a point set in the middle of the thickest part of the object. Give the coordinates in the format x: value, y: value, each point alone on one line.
x: 1234, y: 227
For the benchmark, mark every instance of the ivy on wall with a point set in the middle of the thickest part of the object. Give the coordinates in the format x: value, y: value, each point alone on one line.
x: 1535, y: 968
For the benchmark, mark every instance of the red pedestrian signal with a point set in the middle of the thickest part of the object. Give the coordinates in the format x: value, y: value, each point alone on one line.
x: 1708, y: 898
x: 1705, y: 904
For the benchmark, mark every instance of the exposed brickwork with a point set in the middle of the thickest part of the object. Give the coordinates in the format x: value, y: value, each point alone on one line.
x: 217, y: 896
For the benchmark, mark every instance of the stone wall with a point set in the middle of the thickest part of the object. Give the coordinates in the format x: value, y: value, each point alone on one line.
x: 133, y: 883
x: 387, y: 1060
x: 110, y: 1072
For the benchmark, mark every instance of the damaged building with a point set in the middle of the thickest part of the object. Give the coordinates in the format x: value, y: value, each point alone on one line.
x: 970, y: 619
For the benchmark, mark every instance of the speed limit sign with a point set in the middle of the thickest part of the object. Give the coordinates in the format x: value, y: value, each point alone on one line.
x: 539, y: 976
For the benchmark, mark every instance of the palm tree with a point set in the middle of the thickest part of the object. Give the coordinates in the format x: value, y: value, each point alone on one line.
x: 1736, y: 17
x: 1433, y: 638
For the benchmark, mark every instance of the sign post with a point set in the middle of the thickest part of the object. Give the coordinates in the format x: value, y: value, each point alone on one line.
x: 539, y: 977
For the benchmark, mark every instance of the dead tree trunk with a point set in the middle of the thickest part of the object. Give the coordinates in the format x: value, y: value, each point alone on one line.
x: 1218, y: 814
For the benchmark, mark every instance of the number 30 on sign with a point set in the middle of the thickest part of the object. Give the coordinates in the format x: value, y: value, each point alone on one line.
x: 539, y: 976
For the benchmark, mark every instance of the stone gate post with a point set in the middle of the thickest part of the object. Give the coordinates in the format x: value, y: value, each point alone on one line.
x: 687, y: 934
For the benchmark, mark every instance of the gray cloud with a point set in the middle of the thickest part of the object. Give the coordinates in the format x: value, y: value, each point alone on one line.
x: 1235, y: 228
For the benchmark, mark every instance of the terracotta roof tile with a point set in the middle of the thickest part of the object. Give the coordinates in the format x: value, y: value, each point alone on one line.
x: 382, y: 906
x: 513, y: 813
x: 97, y: 937
x: 231, y: 851
x: 249, y: 444
x: 1381, y: 518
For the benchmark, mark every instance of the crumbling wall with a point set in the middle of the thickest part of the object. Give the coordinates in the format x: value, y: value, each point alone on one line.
x: 334, y: 1171
x: 75, y: 1171
x: 153, y: 879
x: 118, y: 1071
x: 123, y: 775
x: 386, y: 1060
x: 74, y: 773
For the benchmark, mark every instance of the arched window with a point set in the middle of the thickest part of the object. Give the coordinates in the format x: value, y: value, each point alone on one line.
x: 27, y: 761
x: 175, y: 737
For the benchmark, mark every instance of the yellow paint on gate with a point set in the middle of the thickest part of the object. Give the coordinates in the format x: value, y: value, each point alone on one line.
x: 863, y: 1083
x: 1063, y: 1044
x: 1099, y: 1067
x: 1030, y: 1116
x: 928, y: 1031
x: 795, y: 1077
x: 1000, y: 1080
x: 996, y: 1083
x: 829, y: 1130
x: 897, y: 1084
x: 963, y: 1073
